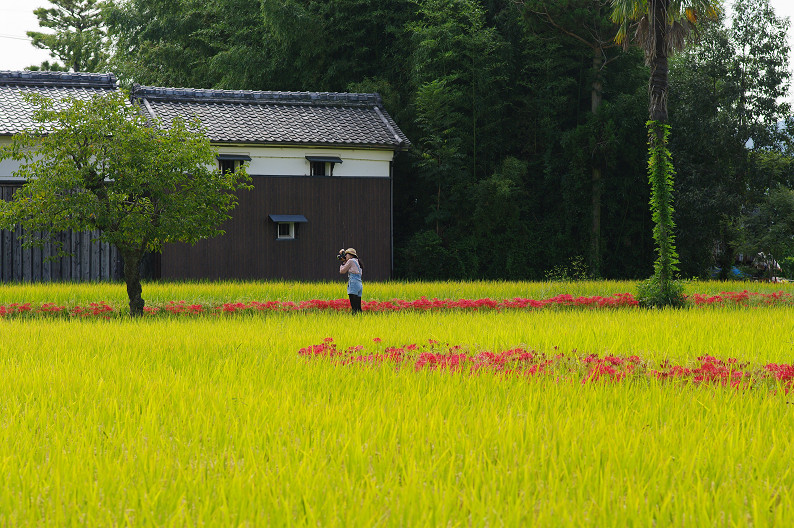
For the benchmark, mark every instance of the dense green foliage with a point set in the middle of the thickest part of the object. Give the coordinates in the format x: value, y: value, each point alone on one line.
x: 768, y: 228
x: 527, y: 121
x: 730, y: 137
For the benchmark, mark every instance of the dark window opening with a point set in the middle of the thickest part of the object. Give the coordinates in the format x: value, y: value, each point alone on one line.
x: 227, y: 165
x: 286, y: 230
x: 231, y: 162
x: 317, y: 168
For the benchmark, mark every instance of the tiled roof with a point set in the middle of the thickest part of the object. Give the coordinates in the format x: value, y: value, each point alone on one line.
x: 311, y: 118
x: 16, y: 114
x: 229, y: 116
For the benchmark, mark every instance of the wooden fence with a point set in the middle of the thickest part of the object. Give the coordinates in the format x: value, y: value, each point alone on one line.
x: 90, y: 260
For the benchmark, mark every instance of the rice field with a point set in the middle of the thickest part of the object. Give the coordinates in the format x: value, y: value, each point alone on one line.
x: 236, y: 291
x: 199, y: 421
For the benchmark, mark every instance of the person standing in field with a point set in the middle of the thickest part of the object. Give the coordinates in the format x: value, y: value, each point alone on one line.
x: 355, y: 288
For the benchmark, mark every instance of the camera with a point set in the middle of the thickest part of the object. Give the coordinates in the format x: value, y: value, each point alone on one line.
x: 340, y: 255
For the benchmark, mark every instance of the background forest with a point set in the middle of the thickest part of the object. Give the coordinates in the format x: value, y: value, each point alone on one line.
x: 528, y: 122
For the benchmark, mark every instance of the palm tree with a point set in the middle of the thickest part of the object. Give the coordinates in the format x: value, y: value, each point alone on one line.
x: 660, y: 27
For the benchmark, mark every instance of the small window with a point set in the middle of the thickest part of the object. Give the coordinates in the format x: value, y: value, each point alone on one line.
x: 322, y: 165
x: 286, y: 230
x: 318, y: 168
x: 231, y: 162
x: 286, y: 225
x: 227, y: 165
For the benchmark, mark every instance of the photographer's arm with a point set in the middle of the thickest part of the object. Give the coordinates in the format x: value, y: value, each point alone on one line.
x: 344, y: 268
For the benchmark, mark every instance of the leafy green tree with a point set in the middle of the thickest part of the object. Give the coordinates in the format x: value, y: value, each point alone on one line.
x: 500, y: 222
x: 327, y: 44
x: 563, y: 141
x: 213, y: 44
x: 662, y: 28
x: 710, y: 155
x: 96, y: 164
x: 79, y: 38
x: 727, y: 105
x: 769, y: 228
x: 48, y: 66
x: 586, y: 23
x: 260, y: 44
x: 760, y: 73
x: 457, y: 71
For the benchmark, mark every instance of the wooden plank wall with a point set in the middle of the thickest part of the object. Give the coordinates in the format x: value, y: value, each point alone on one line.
x: 92, y: 261
x: 341, y: 212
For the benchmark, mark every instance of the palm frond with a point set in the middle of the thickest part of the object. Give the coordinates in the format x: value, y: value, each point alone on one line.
x: 680, y: 21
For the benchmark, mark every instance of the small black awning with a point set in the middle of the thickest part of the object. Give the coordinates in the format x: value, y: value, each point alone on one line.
x: 288, y: 218
x: 327, y: 159
x: 235, y: 157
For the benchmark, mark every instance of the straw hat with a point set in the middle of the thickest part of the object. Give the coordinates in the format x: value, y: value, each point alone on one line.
x: 351, y: 251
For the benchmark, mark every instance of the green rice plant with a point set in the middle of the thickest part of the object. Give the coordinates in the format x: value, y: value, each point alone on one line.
x: 188, y: 422
x: 238, y: 291
x: 159, y: 293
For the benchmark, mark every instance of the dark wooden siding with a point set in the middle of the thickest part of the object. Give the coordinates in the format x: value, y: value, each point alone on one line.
x: 341, y: 212
x: 92, y: 261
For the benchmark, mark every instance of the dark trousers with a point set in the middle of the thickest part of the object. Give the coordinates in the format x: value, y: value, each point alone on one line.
x: 355, y: 303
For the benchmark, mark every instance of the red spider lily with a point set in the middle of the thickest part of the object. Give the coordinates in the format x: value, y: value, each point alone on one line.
x: 782, y: 373
x: 51, y: 308
x: 14, y: 308
x: 563, y: 301
x: 590, y: 368
x: 100, y: 309
x: 743, y: 298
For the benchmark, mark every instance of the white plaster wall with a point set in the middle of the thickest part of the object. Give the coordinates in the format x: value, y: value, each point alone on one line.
x: 284, y: 161
x: 291, y: 161
x: 7, y: 166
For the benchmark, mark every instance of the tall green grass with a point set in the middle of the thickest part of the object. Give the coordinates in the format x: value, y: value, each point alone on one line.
x: 240, y: 291
x: 219, y: 422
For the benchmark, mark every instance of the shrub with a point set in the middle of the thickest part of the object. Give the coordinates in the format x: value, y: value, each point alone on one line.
x: 656, y: 293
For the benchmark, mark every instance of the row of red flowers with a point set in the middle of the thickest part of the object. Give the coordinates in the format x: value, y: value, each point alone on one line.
x: 521, y: 361
x: 617, y: 300
x: 98, y: 309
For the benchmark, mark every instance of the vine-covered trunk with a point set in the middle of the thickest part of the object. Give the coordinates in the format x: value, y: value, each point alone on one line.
x: 660, y: 177
x: 132, y: 277
x: 660, y: 164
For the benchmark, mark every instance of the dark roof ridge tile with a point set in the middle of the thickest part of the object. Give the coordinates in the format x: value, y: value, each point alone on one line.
x: 206, y: 95
x: 60, y: 79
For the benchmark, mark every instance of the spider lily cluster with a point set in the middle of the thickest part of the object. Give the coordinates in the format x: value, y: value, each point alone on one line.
x: 589, y: 368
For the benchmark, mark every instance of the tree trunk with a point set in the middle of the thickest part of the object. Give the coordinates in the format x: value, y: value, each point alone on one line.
x: 661, y: 171
x: 657, y: 86
x: 132, y: 276
x: 596, y: 97
x: 595, y: 231
x: 726, y: 258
